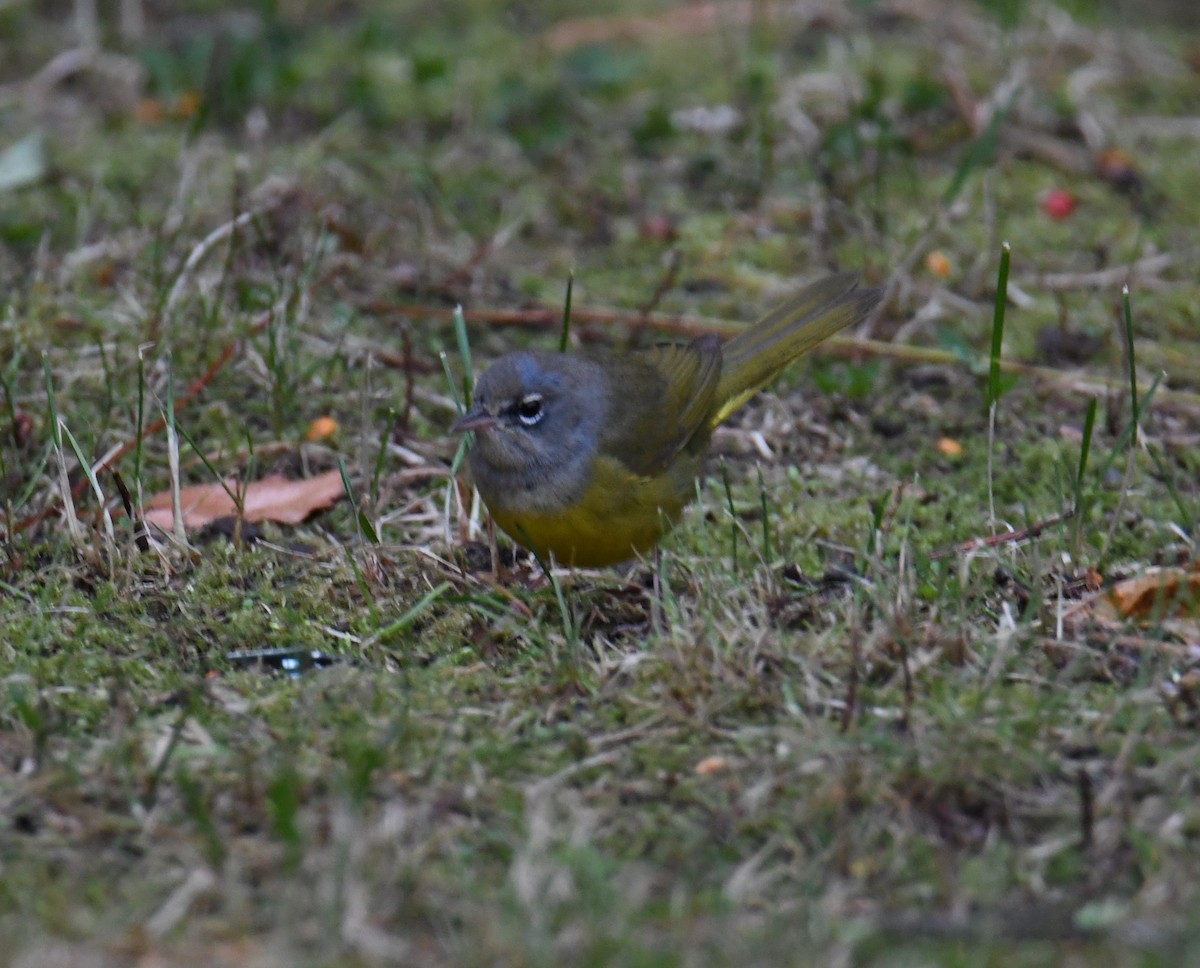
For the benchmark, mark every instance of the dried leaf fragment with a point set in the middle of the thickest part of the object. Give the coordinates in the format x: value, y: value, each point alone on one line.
x: 273, y: 498
x: 1158, y: 593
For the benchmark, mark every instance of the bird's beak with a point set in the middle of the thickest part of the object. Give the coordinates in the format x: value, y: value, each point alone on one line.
x: 475, y: 420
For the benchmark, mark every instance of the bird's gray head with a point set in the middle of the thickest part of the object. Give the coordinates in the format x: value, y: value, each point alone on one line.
x: 537, y: 418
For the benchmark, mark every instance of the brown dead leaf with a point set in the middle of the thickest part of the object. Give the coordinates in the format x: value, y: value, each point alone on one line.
x: 1158, y: 593
x: 273, y: 498
x: 1167, y: 598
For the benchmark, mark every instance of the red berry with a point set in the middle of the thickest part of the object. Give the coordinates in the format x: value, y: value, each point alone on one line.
x: 1059, y: 203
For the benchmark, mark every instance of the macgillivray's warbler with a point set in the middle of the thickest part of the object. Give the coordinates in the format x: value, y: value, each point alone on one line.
x: 592, y: 459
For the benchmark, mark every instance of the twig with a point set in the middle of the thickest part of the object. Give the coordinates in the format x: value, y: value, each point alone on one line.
x: 1105, y: 642
x: 1007, y: 537
x: 1066, y: 156
x: 1149, y: 126
x: 665, y: 283
x: 1142, y: 271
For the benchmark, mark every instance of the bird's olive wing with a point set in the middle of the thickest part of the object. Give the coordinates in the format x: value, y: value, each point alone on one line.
x: 661, y: 402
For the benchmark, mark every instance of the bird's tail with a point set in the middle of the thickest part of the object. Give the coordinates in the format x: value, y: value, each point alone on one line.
x: 751, y: 359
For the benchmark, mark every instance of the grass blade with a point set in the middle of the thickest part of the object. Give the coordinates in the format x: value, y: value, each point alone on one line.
x: 994, y: 387
x: 766, y: 518
x: 1187, y: 517
x: 1133, y: 390
x: 381, y: 455
x: 411, y: 615
x: 140, y: 430
x: 464, y: 353
x: 733, y: 523
x: 365, y: 527
x: 110, y: 536
x: 565, y: 336
x: 1080, y: 501
x: 56, y: 440
x: 979, y: 153
x: 459, y: 405
x: 1089, y: 426
x: 180, y: 532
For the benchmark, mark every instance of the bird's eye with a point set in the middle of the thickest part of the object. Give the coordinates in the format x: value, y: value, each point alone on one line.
x: 529, y: 409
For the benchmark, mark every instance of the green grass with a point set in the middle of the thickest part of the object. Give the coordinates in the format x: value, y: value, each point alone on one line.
x: 851, y: 736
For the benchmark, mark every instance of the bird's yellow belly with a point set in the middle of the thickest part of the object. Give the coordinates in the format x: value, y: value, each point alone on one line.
x: 619, y: 516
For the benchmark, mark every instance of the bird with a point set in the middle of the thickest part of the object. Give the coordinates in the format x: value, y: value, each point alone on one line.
x: 592, y: 459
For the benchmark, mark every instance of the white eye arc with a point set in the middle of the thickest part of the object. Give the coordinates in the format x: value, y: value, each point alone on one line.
x: 529, y: 409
